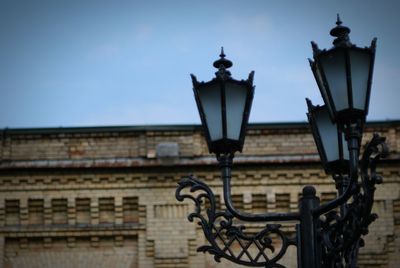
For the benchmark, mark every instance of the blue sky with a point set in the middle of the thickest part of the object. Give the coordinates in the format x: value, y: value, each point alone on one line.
x: 100, y: 63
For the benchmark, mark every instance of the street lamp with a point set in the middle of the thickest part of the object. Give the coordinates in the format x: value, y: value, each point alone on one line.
x: 325, y: 236
x: 224, y: 106
x: 344, y: 76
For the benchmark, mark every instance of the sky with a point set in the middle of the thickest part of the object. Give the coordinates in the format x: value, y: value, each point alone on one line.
x: 110, y: 63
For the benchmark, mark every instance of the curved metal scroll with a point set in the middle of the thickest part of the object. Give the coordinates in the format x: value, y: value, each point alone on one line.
x: 227, y: 240
x: 341, y: 234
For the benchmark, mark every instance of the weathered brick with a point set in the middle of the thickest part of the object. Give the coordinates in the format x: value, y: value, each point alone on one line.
x: 152, y: 231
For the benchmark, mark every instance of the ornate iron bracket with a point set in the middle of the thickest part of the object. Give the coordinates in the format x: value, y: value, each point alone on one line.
x: 341, y: 233
x: 338, y: 232
x: 226, y: 240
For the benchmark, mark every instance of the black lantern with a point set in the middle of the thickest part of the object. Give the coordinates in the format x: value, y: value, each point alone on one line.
x: 224, y: 106
x: 329, y: 139
x: 344, y: 75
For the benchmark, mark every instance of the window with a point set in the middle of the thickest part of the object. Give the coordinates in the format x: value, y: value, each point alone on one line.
x: 60, y: 211
x: 12, y: 212
x: 259, y: 203
x: 106, y: 210
x: 282, y: 202
x: 130, y: 209
x: 237, y: 201
x: 82, y: 210
x: 35, y: 211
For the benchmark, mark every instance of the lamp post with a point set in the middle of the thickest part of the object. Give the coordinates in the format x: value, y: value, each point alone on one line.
x: 325, y: 236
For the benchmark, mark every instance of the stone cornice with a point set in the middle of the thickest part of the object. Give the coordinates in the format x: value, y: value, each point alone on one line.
x: 180, y: 127
x: 117, y: 163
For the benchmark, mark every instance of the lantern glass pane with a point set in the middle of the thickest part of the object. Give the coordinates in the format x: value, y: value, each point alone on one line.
x: 322, y: 88
x: 346, y: 153
x: 235, y: 96
x: 360, y: 67
x: 210, y: 98
x: 334, y: 66
x: 328, y: 134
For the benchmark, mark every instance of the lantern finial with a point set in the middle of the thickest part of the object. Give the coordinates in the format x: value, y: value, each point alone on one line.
x: 222, y: 61
x: 338, y: 21
x: 222, y: 55
x: 341, y: 33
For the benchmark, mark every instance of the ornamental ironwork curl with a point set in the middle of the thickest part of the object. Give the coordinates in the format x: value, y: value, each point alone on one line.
x: 227, y: 240
x: 341, y: 233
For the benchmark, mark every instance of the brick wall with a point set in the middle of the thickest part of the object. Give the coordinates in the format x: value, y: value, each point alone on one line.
x: 90, y: 197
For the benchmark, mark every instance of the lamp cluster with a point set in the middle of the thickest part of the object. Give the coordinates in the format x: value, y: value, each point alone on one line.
x: 343, y: 75
x: 327, y: 234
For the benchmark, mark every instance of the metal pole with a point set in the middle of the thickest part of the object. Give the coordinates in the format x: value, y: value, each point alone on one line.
x: 341, y: 181
x: 225, y: 163
x: 309, y: 249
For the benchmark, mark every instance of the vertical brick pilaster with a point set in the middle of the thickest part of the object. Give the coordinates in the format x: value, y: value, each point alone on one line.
x: 294, y: 198
x: 272, y: 202
x: 23, y: 211
x: 142, y: 145
x: 143, y: 259
x: 94, y: 211
x: 71, y: 211
x: 48, y: 215
x: 119, y: 214
x: 2, y: 213
x: 142, y: 214
x: 247, y: 201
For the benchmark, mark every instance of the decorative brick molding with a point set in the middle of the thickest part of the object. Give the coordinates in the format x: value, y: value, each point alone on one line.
x: 67, y: 191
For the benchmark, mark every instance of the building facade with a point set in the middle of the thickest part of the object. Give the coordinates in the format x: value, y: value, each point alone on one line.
x: 105, y: 197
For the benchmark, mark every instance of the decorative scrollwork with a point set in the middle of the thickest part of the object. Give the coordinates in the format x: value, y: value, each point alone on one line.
x: 227, y: 240
x: 341, y: 234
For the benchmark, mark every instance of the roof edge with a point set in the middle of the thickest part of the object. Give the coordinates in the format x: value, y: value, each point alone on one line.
x: 172, y: 127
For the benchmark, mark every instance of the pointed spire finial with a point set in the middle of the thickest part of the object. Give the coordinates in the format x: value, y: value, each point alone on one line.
x: 341, y: 33
x: 222, y: 62
x: 338, y: 21
x: 222, y: 55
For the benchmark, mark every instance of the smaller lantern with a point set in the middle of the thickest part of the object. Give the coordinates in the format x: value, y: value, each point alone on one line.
x: 344, y: 76
x: 224, y: 106
x: 329, y: 140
